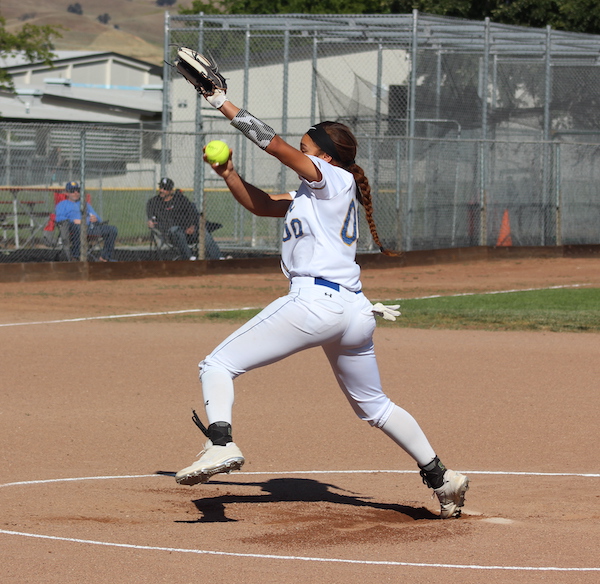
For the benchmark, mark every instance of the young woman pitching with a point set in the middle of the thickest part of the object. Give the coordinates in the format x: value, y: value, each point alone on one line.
x: 324, y: 307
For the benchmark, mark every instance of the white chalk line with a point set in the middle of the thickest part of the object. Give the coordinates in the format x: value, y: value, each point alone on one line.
x: 297, y: 558
x: 494, y: 292
x: 309, y: 472
x: 300, y: 558
x: 198, y: 310
x: 137, y: 314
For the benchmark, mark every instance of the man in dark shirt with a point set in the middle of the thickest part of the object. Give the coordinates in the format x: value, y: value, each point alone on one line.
x: 177, y: 218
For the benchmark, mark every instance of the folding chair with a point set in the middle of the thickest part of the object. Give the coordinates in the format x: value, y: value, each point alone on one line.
x: 57, y: 236
x: 52, y: 235
x: 161, y: 247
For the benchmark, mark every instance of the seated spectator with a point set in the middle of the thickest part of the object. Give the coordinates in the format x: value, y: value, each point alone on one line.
x: 177, y: 219
x: 70, y: 210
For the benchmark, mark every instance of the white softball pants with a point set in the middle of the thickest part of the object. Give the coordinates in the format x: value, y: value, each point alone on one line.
x: 313, y: 315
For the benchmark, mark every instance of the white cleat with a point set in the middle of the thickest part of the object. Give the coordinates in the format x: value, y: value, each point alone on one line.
x: 213, y: 460
x: 452, y: 494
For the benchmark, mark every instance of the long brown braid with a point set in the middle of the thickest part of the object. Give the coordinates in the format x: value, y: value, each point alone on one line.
x: 346, y: 145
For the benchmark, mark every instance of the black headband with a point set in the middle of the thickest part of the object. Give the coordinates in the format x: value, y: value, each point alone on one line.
x: 322, y: 139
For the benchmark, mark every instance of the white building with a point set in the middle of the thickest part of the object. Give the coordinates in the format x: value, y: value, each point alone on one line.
x: 83, y: 86
x: 106, y: 93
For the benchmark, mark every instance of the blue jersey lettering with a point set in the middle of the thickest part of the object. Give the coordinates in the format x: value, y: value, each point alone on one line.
x: 296, y: 230
x: 349, y: 231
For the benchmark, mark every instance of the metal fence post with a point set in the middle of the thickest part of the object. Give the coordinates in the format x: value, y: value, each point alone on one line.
x: 558, y: 194
x: 313, y: 89
x: 411, y: 131
x: 199, y: 171
x: 8, y: 181
x: 455, y: 194
x: 546, y: 148
x: 284, y: 101
x: 483, y: 145
x: 166, y: 99
x: 239, y: 211
x: 83, y: 229
x: 378, y: 137
x: 284, y: 115
x: 399, y: 214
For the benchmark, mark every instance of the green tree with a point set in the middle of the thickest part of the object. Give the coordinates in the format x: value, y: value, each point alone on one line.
x: 579, y: 16
x: 569, y: 15
x: 288, y: 7
x: 35, y: 42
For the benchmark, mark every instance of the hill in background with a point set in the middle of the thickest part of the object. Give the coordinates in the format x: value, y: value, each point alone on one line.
x: 134, y: 27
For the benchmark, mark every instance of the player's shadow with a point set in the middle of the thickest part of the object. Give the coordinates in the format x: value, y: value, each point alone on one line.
x: 213, y: 509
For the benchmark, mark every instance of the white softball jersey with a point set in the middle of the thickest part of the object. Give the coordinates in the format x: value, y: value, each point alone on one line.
x: 321, y: 228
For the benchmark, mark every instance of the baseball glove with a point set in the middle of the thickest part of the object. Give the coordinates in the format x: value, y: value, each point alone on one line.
x: 202, y: 72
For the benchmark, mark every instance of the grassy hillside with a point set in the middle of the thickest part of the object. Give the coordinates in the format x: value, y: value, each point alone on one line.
x: 135, y: 28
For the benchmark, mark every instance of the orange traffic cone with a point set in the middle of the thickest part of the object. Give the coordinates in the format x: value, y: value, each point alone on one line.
x: 504, y: 238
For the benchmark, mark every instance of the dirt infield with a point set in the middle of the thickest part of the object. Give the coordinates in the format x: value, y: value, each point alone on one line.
x: 95, y: 418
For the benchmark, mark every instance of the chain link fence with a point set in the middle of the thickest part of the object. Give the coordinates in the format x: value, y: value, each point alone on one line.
x: 465, y: 129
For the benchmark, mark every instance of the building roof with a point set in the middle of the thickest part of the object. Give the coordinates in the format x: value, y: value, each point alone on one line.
x: 61, y: 100
x: 81, y: 105
x: 19, y: 60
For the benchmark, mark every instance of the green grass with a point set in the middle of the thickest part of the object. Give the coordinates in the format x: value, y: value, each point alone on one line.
x: 232, y: 315
x: 559, y: 310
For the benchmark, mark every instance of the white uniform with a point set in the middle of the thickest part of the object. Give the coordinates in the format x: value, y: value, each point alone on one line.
x: 321, y: 229
x: 324, y: 307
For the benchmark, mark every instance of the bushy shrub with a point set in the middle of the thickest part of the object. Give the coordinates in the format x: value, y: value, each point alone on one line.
x: 75, y: 8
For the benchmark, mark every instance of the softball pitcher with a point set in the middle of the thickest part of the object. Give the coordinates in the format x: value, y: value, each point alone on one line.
x: 324, y: 307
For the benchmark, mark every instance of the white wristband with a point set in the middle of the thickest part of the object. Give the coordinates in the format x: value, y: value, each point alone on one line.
x: 217, y: 99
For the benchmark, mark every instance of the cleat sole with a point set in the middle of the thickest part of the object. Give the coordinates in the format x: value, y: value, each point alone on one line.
x: 202, y: 475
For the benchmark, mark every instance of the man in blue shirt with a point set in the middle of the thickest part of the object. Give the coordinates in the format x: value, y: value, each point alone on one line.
x: 70, y: 210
